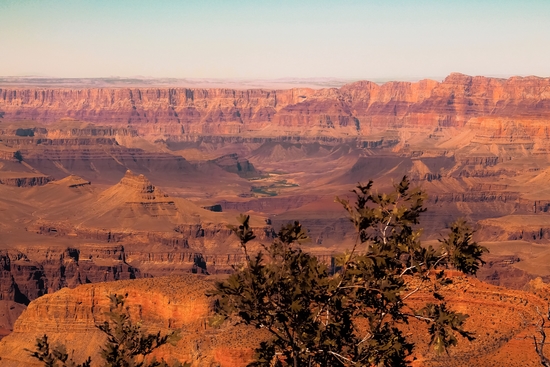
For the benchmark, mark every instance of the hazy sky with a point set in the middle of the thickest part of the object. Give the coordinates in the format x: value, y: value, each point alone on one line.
x: 274, y: 39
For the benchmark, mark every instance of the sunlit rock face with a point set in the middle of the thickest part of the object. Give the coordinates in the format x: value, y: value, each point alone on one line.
x: 353, y: 110
x: 497, y: 319
x: 115, y: 183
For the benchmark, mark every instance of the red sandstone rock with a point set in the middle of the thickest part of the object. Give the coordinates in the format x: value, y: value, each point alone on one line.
x: 499, y: 318
x: 352, y: 110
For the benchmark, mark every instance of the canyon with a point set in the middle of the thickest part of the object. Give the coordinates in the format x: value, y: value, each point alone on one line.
x: 356, y: 109
x: 500, y: 319
x: 101, y: 184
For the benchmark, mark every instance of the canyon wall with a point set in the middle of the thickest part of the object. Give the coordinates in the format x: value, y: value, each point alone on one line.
x: 353, y: 110
x: 163, y: 304
x: 500, y: 319
x: 37, y: 270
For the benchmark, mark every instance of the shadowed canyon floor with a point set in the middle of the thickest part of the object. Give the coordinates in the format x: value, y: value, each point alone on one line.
x: 101, y: 184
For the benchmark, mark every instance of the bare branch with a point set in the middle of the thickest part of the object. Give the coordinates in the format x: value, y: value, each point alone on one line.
x: 539, y: 345
x: 367, y: 337
x: 341, y: 357
x: 385, y: 229
x: 409, y: 268
x: 411, y: 293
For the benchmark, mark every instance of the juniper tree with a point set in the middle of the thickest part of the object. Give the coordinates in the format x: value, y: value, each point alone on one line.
x: 18, y: 156
x: 349, y: 317
x: 56, y: 356
x: 127, y: 345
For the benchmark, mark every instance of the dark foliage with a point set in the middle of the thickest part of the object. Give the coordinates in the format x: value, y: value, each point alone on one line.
x: 126, y: 346
x: 54, y: 357
x: 351, y: 317
x: 17, y: 155
x: 24, y: 132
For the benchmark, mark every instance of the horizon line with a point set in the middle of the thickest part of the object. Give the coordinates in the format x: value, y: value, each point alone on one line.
x: 229, y: 82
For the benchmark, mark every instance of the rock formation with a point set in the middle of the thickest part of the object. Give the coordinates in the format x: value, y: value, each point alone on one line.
x: 234, y: 164
x: 500, y: 319
x: 353, y: 110
x: 72, y: 212
x: 69, y: 232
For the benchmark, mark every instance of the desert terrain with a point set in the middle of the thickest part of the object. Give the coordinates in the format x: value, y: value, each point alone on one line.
x: 102, y: 183
x: 502, y: 321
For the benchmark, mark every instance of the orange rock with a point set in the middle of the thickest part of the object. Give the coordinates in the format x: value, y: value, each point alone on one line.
x: 353, y: 110
x: 501, y: 320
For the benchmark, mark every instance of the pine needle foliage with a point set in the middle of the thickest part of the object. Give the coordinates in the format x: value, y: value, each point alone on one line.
x: 57, y: 356
x: 127, y: 345
x: 350, y: 317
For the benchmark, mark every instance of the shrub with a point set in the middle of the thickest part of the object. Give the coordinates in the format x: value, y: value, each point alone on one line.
x: 350, y: 317
x: 126, y: 346
x: 17, y: 155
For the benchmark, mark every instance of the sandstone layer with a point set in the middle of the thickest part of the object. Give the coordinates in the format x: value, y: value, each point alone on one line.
x: 501, y: 320
x: 353, y: 110
x: 163, y: 304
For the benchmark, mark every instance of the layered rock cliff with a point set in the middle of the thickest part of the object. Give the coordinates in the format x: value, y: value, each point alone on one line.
x: 353, y: 110
x: 161, y: 304
x: 25, y: 181
x: 500, y: 320
x: 35, y: 271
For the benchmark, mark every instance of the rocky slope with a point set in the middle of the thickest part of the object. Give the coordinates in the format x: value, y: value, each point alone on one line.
x: 71, y: 232
x: 161, y: 304
x: 500, y: 319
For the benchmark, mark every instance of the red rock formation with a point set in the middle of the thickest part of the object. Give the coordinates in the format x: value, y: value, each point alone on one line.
x: 41, y: 270
x: 500, y: 319
x: 38, y: 180
x: 235, y: 164
x: 352, y: 110
x: 160, y: 304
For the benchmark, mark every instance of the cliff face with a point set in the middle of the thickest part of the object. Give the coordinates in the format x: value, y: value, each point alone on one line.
x: 25, y: 276
x: 32, y: 272
x: 25, y: 181
x: 164, y: 304
x: 354, y: 109
x: 499, y: 318
x: 87, y: 235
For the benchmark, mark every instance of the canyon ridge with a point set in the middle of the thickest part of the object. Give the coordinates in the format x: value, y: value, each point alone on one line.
x: 119, y: 183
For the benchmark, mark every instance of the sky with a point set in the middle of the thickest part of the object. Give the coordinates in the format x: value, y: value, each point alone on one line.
x: 367, y: 39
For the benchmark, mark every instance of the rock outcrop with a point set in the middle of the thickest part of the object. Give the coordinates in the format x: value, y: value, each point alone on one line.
x: 69, y: 232
x: 499, y: 318
x: 27, y: 275
x: 29, y: 181
x: 161, y: 304
x: 353, y: 110
x: 234, y: 164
